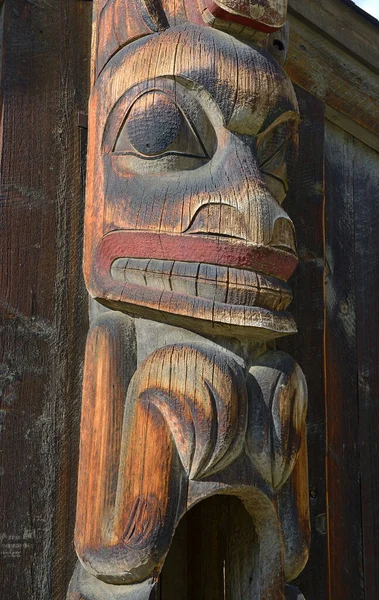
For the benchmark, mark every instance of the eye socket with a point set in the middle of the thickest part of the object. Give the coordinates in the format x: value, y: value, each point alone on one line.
x: 155, y: 126
x: 274, y: 149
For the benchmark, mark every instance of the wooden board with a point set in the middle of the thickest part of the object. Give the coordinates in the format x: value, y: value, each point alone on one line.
x: 351, y: 358
x: 366, y: 213
x: 334, y: 18
x: 305, y: 205
x: 44, y: 82
x: 208, y: 560
x: 329, y: 71
x: 344, y: 492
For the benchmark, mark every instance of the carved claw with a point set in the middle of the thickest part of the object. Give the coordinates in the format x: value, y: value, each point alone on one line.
x: 277, y: 411
x: 205, y: 411
x: 84, y: 586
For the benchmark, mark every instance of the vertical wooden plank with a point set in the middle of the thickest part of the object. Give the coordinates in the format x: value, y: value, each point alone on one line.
x: 43, y: 303
x: 304, y: 204
x: 207, y: 547
x: 213, y: 555
x: 366, y: 212
x: 174, y: 578
x: 343, y: 468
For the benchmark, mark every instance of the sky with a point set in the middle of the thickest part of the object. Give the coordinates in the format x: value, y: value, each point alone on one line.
x: 370, y: 6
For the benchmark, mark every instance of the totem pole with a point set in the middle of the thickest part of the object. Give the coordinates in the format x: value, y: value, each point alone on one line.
x: 192, y: 123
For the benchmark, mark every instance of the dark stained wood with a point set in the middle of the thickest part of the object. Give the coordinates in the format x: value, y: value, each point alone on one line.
x: 305, y: 205
x: 213, y: 555
x: 208, y: 544
x: 342, y: 418
x: 44, y: 82
x: 366, y: 219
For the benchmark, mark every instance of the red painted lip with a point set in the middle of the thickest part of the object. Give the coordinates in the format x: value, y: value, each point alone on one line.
x: 224, y: 15
x: 192, y: 248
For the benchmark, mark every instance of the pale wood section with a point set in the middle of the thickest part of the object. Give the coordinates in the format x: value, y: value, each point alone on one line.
x: 273, y: 443
x: 84, y: 586
x: 267, y: 15
x: 202, y: 189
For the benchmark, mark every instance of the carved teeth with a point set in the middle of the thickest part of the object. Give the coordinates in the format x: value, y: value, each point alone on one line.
x: 213, y: 282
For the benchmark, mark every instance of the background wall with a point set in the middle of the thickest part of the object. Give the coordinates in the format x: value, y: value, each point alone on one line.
x: 43, y: 302
x: 44, y: 76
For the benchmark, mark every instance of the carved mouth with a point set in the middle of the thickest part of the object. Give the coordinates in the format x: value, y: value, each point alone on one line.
x: 229, y: 287
x: 211, y: 282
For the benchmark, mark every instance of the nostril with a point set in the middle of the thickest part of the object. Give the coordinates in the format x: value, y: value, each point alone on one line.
x: 283, y: 236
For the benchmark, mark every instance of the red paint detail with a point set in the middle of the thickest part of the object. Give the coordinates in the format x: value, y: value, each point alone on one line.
x: 193, y: 248
x: 224, y: 15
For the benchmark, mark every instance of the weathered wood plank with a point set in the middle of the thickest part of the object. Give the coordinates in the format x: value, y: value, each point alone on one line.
x: 331, y: 73
x: 366, y: 211
x: 342, y: 25
x: 219, y: 561
x: 305, y: 205
x: 343, y: 465
x: 43, y: 303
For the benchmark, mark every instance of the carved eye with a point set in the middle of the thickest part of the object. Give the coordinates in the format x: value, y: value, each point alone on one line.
x: 274, y: 149
x: 155, y: 126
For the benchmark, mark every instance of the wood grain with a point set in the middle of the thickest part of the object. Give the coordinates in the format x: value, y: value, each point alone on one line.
x: 352, y: 411
x: 164, y: 202
x: 44, y: 83
x: 367, y: 249
x: 329, y: 72
x: 343, y: 469
x: 191, y: 132
x: 305, y: 203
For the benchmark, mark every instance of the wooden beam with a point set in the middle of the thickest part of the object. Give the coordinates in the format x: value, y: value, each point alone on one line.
x: 355, y: 32
x: 346, y: 578
x: 343, y: 76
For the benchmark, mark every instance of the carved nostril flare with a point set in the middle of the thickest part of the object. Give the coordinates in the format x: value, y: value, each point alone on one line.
x: 283, y: 236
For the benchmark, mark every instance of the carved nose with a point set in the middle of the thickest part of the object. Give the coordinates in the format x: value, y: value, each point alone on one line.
x: 283, y: 236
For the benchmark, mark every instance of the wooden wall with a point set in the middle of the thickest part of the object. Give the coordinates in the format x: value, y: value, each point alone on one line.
x: 43, y: 316
x: 43, y: 302
x: 351, y: 364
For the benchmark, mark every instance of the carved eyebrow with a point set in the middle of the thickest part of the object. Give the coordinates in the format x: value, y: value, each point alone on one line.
x: 232, y: 89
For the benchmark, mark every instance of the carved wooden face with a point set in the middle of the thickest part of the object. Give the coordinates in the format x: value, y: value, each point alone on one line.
x: 190, y: 132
